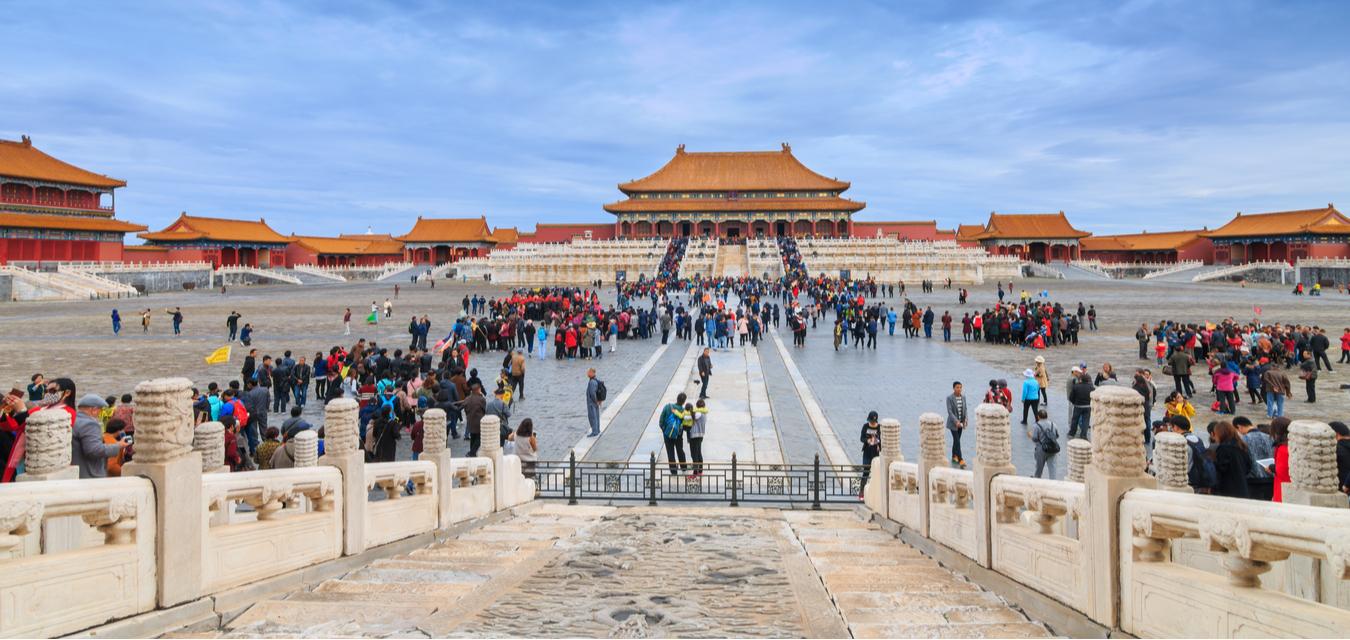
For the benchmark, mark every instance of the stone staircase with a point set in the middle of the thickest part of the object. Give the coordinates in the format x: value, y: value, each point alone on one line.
x: 243, y: 273
x: 733, y: 261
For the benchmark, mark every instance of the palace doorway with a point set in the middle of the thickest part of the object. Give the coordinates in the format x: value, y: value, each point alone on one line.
x: 780, y: 228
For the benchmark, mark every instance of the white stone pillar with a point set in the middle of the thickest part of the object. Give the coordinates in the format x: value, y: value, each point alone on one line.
x: 1118, y: 465
x: 164, y: 455
x: 434, y: 449
x: 307, y: 448
x: 993, y: 456
x: 1171, y: 462
x: 1312, y: 470
x: 1080, y: 458
x: 878, y: 490
x: 49, y: 449
x: 342, y: 449
x: 932, y: 442
x: 490, y: 447
x: 48, y: 457
x: 208, y: 439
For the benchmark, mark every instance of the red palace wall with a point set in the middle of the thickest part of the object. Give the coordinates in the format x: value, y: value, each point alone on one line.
x: 926, y: 231
x: 565, y: 232
x: 1329, y: 250
x: 24, y: 249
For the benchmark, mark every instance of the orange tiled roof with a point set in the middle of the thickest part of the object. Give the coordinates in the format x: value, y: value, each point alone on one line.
x: 187, y: 228
x: 1162, y: 241
x: 1029, y: 225
x: 23, y: 160
x: 506, y: 235
x: 758, y: 204
x: 1279, y: 223
x: 733, y: 171
x: 968, y: 231
x: 71, y: 223
x: 448, y: 230
x: 350, y: 245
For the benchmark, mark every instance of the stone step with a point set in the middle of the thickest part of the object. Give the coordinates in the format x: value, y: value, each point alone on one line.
x: 487, y: 567
x: 395, y: 591
x: 372, y: 574
x: 919, y: 601
x: 329, y: 619
x: 948, y: 630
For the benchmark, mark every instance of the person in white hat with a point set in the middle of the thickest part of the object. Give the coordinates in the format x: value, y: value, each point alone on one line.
x: 1042, y: 379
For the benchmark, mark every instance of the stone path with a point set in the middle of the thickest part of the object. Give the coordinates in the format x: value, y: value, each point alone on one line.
x: 884, y: 588
x: 587, y: 571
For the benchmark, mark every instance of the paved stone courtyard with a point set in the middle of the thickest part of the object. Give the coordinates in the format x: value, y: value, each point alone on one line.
x: 765, y: 407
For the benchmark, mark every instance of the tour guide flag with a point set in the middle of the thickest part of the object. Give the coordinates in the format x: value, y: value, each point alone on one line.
x: 219, y: 355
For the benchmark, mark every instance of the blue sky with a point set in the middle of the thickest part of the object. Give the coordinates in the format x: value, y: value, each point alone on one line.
x: 327, y: 117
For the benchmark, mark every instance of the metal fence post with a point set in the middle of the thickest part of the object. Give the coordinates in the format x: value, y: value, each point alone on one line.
x: 651, y: 494
x: 732, y: 481
x: 815, y: 483
x: 572, y: 478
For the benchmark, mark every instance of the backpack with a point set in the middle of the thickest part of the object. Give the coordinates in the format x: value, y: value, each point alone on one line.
x: 671, y: 424
x: 600, y: 391
x: 1202, y: 474
x: 1050, y: 441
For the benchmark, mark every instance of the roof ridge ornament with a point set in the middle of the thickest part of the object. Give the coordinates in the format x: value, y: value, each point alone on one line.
x: 27, y: 141
x: 679, y: 151
x: 787, y: 148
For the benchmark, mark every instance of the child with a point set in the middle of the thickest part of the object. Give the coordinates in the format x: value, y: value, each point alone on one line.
x: 696, y: 424
x: 113, y: 434
x: 1160, y: 350
x: 232, y: 457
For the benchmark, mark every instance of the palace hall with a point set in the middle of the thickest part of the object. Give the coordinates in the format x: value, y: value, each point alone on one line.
x: 734, y: 195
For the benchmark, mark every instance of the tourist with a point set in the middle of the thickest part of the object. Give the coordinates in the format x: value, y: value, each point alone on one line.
x: 145, y: 321
x: 956, y: 422
x: 1308, y: 374
x: 1080, y: 401
x: 593, y: 401
x: 704, y: 373
x: 116, y: 322
x: 301, y: 374
x: 1200, y: 475
x: 271, y: 440
x: 1319, y: 343
x: 281, y: 382
x: 871, y: 448
x: 1143, y: 335
x: 527, y: 447
x: 1276, y: 386
x: 672, y: 430
x: 347, y: 322
x: 250, y: 365
x: 232, y: 325
x: 1105, y: 376
x: 1345, y: 346
x: 698, y: 426
x: 499, y: 406
x: 386, y: 433
x: 1031, y: 394
x: 89, y: 453
x: 256, y: 399
x: 1143, y: 385
x: 1232, y: 462
x: 177, y: 314
x: 1045, y: 436
x: 1261, y: 450
x: 232, y: 457
x: 1179, y: 367
x: 1342, y: 455
x: 388, y: 308
x: 1177, y: 405
x: 1042, y: 379
x: 1279, y: 434
x: 517, y: 379
x: 114, y: 433
x: 246, y: 335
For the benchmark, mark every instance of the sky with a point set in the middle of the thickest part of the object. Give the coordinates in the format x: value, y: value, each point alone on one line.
x: 332, y: 117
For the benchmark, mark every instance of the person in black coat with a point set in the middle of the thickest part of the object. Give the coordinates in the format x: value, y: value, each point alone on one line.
x: 871, y: 445
x: 1232, y: 464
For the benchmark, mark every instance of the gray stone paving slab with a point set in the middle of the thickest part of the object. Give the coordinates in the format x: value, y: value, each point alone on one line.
x: 618, y: 441
x: 800, y: 443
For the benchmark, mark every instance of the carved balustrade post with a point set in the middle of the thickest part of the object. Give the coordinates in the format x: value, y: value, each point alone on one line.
x: 208, y: 439
x: 1118, y: 465
x: 165, y: 456
x: 490, y: 447
x: 434, y: 449
x: 49, y: 450
x: 1312, y: 469
x: 1080, y: 458
x: 307, y: 448
x: 342, y: 449
x: 993, y: 456
x: 879, y: 481
x: 932, y: 441
x: 1171, y: 462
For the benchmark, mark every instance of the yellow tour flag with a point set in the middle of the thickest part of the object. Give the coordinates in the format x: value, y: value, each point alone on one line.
x: 219, y: 355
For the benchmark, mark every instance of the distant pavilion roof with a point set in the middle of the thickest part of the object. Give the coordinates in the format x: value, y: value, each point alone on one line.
x: 189, y: 228
x: 22, y: 160
x: 1029, y: 226
x: 1324, y: 221
x: 733, y: 171
x: 350, y: 244
x: 449, y: 230
x: 506, y: 235
x: 968, y: 232
x: 1162, y: 241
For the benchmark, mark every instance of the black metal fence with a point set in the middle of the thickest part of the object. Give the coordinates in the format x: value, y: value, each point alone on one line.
x: 733, y: 483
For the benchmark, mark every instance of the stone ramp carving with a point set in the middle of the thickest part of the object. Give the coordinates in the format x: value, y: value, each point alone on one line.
x: 589, y: 571
x: 885, y: 588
